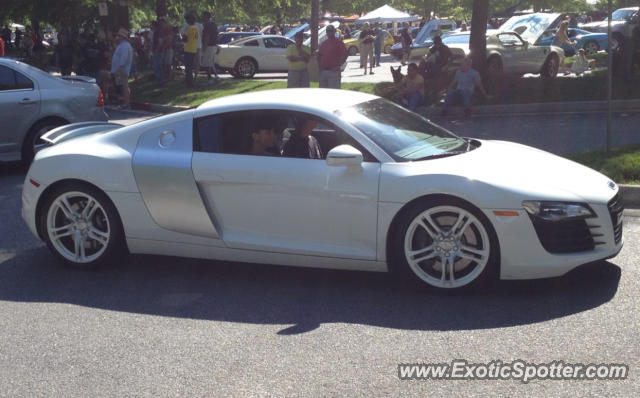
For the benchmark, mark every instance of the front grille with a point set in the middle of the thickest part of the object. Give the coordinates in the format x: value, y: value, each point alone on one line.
x: 616, y: 208
x: 567, y: 236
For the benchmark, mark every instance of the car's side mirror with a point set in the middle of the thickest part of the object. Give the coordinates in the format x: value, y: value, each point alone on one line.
x: 344, y: 155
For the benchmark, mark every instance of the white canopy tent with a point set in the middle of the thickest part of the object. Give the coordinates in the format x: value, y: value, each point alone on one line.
x: 387, y: 14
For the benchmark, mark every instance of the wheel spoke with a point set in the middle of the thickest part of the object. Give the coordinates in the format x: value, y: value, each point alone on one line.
x: 83, y: 254
x: 76, y: 246
x: 451, y: 268
x: 443, y: 275
x: 98, y: 236
x: 432, y: 228
x: 458, y: 230
x: 476, y: 254
x: 63, y: 204
x: 423, y: 254
x: 88, y: 209
x: 59, y: 232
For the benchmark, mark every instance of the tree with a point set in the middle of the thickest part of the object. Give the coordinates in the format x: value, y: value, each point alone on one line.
x: 478, y: 38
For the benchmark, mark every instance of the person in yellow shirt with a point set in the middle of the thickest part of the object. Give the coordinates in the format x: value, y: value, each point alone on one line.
x: 298, y: 56
x: 412, y: 88
x: 190, y: 40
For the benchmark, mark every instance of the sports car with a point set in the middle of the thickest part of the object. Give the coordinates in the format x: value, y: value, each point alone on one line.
x: 388, y: 190
x: 254, y: 54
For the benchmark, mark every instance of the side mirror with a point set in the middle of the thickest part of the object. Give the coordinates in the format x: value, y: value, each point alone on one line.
x: 344, y: 155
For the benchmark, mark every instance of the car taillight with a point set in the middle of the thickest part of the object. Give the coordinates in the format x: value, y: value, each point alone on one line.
x: 100, y: 102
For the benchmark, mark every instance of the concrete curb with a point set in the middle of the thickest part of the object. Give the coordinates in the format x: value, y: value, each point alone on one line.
x: 157, y: 108
x: 544, y: 108
x: 630, y: 195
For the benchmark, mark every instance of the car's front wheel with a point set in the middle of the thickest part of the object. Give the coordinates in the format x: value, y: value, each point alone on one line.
x: 446, y: 244
x: 353, y: 50
x: 81, y: 226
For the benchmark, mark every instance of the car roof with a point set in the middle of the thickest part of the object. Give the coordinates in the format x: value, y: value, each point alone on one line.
x: 319, y: 99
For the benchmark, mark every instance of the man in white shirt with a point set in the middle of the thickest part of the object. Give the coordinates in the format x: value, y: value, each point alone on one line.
x: 121, y: 66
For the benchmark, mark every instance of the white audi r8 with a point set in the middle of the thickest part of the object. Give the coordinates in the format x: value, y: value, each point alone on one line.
x: 386, y: 189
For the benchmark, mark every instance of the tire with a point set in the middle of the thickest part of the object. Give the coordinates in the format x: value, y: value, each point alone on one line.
x: 591, y: 47
x: 550, y: 67
x: 32, y: 142
x: 81, y: 226
x: 387, y: 49
x: 353, y: 50
x: 446, y: 231
x: 617, y: 41
x: 246, y: 68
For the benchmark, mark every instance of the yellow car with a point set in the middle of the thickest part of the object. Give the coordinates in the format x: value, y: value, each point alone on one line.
x: 353, y: 44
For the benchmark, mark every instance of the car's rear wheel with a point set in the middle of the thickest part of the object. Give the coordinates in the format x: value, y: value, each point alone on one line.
x: 33, y: 141
x: 550, y: 67
x: 81, y: 226
x: 353, y: 50
x: 446, y: 244
x: 591, y: 47
x: 246, y: 68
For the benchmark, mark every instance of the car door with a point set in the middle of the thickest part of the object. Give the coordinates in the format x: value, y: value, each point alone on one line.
x: 280, y: 204
x: 276, y: 52
x: 19, y: 107
x: 515, y: 57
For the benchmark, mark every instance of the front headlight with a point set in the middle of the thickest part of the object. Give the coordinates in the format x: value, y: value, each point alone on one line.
x: 556, y: 211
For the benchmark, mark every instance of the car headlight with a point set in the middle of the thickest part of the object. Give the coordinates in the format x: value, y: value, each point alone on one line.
x: 556, y: 211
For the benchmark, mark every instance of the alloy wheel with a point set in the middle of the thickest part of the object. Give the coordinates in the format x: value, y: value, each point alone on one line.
x: 78, y: 227
x: 447, y: 247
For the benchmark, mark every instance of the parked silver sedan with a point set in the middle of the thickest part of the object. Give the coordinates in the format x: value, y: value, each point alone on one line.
x: 33, y: 102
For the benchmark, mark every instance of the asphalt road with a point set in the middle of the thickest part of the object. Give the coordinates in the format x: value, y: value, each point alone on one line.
x: 161, y: 326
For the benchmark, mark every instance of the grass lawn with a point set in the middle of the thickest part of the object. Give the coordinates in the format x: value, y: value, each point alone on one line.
x: 176, y: 93
x: 622, y: 166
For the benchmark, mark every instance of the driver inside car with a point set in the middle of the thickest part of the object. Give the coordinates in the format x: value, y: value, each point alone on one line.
x: 299, y: 143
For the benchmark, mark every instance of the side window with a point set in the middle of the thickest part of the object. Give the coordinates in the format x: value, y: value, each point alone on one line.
x: 7, y: 79
x: 23, y: 82
x: 252, y: 43
x: 326, y: 134
x: 276, y: 42
x: 232, y: 133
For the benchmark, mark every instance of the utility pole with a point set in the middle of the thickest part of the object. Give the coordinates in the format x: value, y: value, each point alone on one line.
x: 609, y: 78
x: 315, y: 9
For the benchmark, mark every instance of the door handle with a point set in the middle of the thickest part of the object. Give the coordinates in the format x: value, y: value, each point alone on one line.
x: 27, y: 101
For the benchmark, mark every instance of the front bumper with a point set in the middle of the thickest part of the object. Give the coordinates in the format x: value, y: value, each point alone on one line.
x: 522, y: 255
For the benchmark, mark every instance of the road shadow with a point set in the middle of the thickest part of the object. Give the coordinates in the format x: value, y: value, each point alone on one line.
x: 303, y: 298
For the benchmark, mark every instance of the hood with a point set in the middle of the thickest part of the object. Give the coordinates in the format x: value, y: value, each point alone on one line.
x: 292, y: 32
x: 530, y: 26
x: 524, y: 173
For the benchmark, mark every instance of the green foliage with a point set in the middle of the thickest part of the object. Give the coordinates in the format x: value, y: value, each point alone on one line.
x: 622, y: 165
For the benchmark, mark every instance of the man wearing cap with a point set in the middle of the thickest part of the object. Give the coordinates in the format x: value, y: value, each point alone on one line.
x: 121, y: 65
x: 331, y: 56
x: 298, y: 56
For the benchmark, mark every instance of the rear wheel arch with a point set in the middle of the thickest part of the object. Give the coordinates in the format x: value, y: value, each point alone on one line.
x: 52, y: 188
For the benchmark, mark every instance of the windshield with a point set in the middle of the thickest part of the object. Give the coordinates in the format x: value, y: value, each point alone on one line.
x: 621, y: 15
x: 404, y: 135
